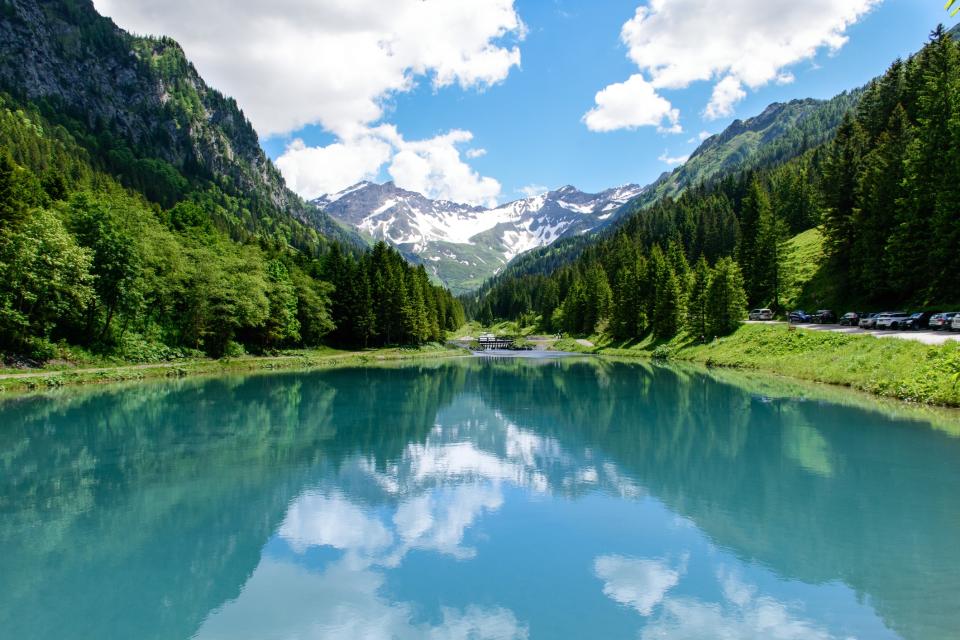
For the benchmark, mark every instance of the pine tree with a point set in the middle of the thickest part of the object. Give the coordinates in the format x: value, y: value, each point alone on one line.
x: 549, y: 301
x: 667, y: 311
x: 726, y: 298
x: 754, y: 213
x: 697, y: 310
x: 840, y: 177
x: 880, y: 188
x: 598, y: 298
x: 626, y: 304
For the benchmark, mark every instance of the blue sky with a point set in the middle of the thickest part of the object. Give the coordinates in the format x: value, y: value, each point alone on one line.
x: 520, y: 85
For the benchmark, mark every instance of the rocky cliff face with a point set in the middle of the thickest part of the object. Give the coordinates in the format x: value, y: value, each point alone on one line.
x: 142, y: 94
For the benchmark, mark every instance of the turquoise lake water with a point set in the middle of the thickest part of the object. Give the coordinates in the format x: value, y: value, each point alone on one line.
x: 478, y: 498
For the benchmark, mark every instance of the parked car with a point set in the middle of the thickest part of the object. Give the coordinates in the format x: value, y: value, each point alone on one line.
x: 888, y: 318
x: 869, y: 321
x: 798, y: 316
x: 915, y: 322
x: 942, y: 320
x: 823, y: 316
x: 955, y: 323
x: 851, y: 318
x: 760, y: 314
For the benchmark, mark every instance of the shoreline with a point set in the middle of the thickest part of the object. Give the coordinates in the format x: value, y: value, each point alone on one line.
x: 40, y: 380
x: 905, y: 371
x: 866, y: 366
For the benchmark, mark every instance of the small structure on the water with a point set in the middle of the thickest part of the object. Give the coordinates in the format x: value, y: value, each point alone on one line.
x: 490, y: 341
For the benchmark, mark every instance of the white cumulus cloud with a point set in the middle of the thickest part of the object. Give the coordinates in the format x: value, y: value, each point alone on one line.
x: 433, y: 167
x: 672, y: 160
x: 726, y: 94
x: 533, y: 190
x: 337, y: 63
x: 738, y: 44
x: 314, y: 171
x: 631, y: 104
x: 291, y: 63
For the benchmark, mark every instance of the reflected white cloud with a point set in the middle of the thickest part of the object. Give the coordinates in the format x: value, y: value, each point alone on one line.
x: 437, y: 489
x: 478, y: 624
x: 635, y: 582
x: 742, y: 615
x: 463, y: 461
x: 319, y: 520
x: 438, y: 521
x: 284, y: 601
x: 484, y: 445
x: 428, y: 499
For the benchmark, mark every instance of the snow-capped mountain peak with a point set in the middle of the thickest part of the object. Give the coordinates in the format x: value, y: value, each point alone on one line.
x: 464, y: 244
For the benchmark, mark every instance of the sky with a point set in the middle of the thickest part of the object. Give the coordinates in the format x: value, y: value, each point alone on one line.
x: 487, y: 101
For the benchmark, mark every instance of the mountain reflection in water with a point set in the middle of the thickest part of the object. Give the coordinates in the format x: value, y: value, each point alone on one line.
x: 480, y: 498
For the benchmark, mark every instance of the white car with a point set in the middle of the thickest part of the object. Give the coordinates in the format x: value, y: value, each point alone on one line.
x: 761, y: 314
x: 955, y: 323
x: 886, y: 320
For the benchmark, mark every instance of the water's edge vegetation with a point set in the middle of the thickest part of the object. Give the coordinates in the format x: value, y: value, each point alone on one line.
x: 301, y: 360
x: 899, y: 371
x: 886, y: 367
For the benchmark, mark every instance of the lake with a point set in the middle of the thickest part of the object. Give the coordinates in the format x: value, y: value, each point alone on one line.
x: 476, y: 498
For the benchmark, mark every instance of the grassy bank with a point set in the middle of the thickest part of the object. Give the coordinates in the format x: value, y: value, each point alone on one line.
x: 60, y: 376
x: 891, y: 368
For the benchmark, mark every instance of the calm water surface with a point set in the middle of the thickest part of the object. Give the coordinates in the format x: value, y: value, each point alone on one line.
x: 473, y: 499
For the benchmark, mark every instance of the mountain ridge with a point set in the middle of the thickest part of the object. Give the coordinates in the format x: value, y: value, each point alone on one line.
x: 464, y: 244
x: 781, y: 131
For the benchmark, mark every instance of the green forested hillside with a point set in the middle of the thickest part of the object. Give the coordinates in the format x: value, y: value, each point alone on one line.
x: 884, y: 191
x: 139, y: 217
x: 782, y: 132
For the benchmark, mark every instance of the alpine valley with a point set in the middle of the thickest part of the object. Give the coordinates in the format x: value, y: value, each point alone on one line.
x: 463, y: 245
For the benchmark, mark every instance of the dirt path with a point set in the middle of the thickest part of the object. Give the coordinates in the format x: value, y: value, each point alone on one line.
x: 585, y: 343
x: 926, y: 337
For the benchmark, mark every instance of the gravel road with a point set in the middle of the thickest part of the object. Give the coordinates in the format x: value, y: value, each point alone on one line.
x: 926, y: 337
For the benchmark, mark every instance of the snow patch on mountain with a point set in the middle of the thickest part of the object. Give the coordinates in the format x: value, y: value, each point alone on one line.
x: 464, y: 244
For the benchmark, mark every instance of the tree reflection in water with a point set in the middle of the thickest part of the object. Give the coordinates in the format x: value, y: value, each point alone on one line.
x: 488, y: 499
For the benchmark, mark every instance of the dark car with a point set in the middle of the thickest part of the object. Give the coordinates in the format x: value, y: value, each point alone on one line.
x: 851, y: 318
x: 799, y: 316
x: 940, y: 321
x: 823, y: 316
x: 915, y: 322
